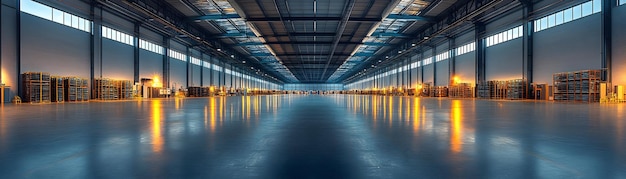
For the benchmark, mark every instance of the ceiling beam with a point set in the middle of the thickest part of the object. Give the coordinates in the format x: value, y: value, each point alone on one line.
x: 310, y: 42
x: 278, y: 19
x: 410, y: 17
x: 311, y: 54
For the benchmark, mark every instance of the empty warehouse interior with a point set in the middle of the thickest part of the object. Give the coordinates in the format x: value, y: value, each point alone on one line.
x: 313, y: 89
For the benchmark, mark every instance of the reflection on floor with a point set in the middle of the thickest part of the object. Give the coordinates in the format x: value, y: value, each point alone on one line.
x: 297, y: 136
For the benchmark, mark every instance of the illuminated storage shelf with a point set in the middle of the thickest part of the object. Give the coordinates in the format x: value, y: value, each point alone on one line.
x: 36, y: 86
x: 76, y: 89
x: 57, y: 89
x: 579, y: 86
x: 461, y: 90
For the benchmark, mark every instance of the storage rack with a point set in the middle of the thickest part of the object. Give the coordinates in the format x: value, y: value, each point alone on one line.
x: 4, y: 93
x: 485, y: 88
x: 76, y: 89
x: 439, y: 91
x: 426, y: 89
x: 516, y: 89
x: 461, y: 90
x: 36, y: 86
x: 124, y: 89
x: 198, y: 91
x: 57, y: 89
x: 579, y: 86
x: 108, y: 89
x: 541, y: 91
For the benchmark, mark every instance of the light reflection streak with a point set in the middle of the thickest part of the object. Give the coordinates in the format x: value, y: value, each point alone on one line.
x: 416, y: 118
x: 457, y: 127
x: 213, y: 117
x: 157, y: 138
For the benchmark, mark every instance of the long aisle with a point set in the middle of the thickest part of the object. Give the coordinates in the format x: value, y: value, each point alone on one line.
x: 313, y: 136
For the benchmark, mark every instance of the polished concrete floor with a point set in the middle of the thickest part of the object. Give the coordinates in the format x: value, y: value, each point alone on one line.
x: 299, y: 136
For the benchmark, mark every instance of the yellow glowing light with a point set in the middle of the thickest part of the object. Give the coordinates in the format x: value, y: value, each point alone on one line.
x: 157, y: 139
x: 456, y: 80
x: 457, y: 127
x: 156, y: 82
x: 419, y: 86
x: 212, y: 112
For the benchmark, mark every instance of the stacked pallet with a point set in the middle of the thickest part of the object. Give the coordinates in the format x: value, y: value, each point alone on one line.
x: 439, y: 91
x: 485, y: 88
x: 36, y: 86
x: 461, y: 90
x: 581, y: 86
x: 124, y: 89
x: 516, y: 89
x: 108, y: 89
x: 76, y: 89
x: 426, y: 89
x: 57, y: 89
x: 198, y: 91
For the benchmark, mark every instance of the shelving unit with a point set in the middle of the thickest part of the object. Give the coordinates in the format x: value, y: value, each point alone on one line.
x: 4, y: 93
x: 579, y: 86
x: 461, y: 90
x: 57, y: 90
x: 516, y: 89
x: 108, y: 89
x: 76, y: 89
x: 439, y: 91
x: 36, y: 86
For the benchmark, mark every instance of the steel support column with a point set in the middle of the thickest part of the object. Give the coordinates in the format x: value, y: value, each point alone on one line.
x: 166, y: 62
x: 452, y: 61
x: 529, y: 29
x: 434, y: 62
x: 188, y: 65
x: 607, y: 45
x: 136, y: 53
x: 480, y: 52
x: 202, y: 70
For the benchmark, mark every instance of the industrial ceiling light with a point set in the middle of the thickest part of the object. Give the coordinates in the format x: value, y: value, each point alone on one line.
x: 413, y: 45
x: 243, y: 61
x: 425, y: 37
x: 219, y: 49
x: 232, y: 56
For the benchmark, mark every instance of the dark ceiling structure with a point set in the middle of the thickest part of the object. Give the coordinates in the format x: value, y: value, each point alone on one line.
x: 305, y: 41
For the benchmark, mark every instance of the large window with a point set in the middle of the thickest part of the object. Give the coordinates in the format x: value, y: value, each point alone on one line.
x: 117, y: 36
x: 621, y: 2
x: 427, y: 61
x: 505, y: 36
x: 470, y: 47
x: 55, y: 15
x: 177, y: 55
x: 149, y: 46
x: 442, y: 56
x: 196, y: 61
x: 569, y: 14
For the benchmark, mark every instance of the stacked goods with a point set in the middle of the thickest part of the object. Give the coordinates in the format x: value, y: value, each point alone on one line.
x: 104, y: 89
x: 124, y: 89
x: 499, y: 89
x: 4, y: 94
x: 485, y: 89
x: 581, y: 86
x: 516, y: 89
x: 57, y: 89
x: 426, y: 89
x: 461, y: 90
x: 541, y: 91
x: 76, y: 89
x: 439, y: 91
x: 198, y: 91
x: 36, y: 87
x: 108, y: 89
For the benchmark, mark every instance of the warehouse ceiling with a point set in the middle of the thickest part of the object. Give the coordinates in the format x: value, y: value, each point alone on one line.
x: 312, y: 41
